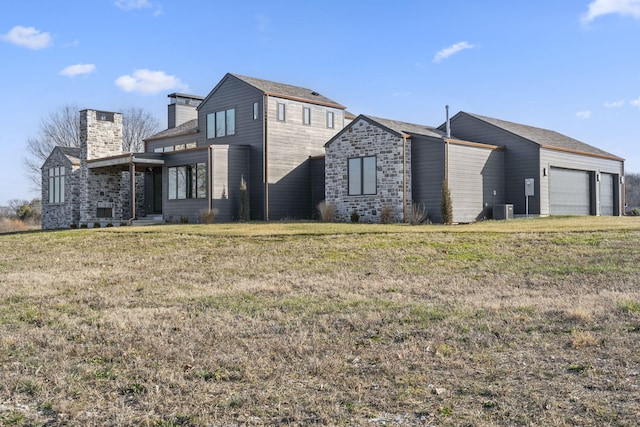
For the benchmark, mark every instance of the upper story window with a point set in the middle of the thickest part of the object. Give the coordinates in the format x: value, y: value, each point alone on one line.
x: 330, y: 120
x: 362, y: 176
x: 281, y: 112
x: 188, y: 182
x: 306, y: 115
x: 256, y: 111
x: 221, y: 123
x: 56, y: 185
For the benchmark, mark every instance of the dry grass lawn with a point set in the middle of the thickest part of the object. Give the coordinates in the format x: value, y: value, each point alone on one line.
x: 518, y: 323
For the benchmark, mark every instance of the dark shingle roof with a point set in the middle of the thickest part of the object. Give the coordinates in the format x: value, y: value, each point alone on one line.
x: 544, y: 137
x: 288, y: 91
x: 71, y: 151
x: 408, y: 128
x: 186, y: 127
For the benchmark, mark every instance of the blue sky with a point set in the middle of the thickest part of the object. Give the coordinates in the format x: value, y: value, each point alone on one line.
x: 572, y: 66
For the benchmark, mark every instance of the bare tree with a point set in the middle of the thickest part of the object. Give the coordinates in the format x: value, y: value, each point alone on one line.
x: 62, y: 128
x: 137, y: 124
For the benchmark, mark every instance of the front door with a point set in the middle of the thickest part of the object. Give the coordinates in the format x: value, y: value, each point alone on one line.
x: 157, y: 191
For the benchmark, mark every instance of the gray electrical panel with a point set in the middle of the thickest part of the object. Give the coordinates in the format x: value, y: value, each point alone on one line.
x: 503, y: 212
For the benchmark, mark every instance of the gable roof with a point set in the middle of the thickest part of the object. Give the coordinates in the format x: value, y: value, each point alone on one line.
x: 400, y: 129
x: 280, y: 90
x: 185, y: 128
x: 72, y: 153
x: 544, y: 137
x: 404, y: 128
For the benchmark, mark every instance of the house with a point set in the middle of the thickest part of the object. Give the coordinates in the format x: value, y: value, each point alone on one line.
x: 271, y: 135
x: 91, y: 183
x: 293, y: 148
x: 375, y: 164
x: 569, y: 176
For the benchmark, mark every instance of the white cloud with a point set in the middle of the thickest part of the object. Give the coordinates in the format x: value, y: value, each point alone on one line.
x: 614, y: 104
x: 452, y: 50
x: 263, y: 23
x: 77, y: 69
x: 128, y: 5
x: 28, y: 37
x: 606, y: 7
x: 583, y: 115
x: 149, y: 82
x: 635, y: 102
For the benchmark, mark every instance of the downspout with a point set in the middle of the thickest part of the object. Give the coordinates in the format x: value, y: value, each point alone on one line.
x: 446, y: 147
x: 265, y: 158
x: 404, y: 178
x: 210, y: 177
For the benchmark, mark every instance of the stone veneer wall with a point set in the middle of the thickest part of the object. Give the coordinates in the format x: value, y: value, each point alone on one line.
x: 366, y: 139
x: 99, y: 138
x: 60, y: 215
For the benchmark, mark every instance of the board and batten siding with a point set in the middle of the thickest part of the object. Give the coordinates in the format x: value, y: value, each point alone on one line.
x: 474, y: 174
x: 232, y: 92
x: 427, y: 174
x: 550, y: 158
x: 521, y: 159
x: 290, y: 143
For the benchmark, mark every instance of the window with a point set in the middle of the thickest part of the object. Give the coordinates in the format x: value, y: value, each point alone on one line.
x: 362, y: 176
x: 281, y: 112
x: 188, y: 182
x: 330, y: 119
x: 104, y: 116
x: 306, y: 115
x: 221, y: 123
x: 255, y: 111
x: 104, y: 212
x: 56, y: 185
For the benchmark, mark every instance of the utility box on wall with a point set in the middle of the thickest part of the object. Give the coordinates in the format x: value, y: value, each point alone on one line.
x: 503, y: 212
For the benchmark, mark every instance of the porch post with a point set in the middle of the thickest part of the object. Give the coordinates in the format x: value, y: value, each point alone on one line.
x: 132, y: 177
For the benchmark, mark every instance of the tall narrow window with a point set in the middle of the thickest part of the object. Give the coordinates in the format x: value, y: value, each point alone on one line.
x: 306, y: 115
x: 56, y: 185
x: 281, y: 112
x: 362, y: 176
x: 255, y: 111
x: 330, y: 119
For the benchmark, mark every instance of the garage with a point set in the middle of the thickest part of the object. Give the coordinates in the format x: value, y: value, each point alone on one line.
x: 570, y: 192
x: 607, y: 194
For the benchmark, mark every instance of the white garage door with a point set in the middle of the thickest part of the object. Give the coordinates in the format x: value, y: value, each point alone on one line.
x: 607, y: 194
x: 569, y: 192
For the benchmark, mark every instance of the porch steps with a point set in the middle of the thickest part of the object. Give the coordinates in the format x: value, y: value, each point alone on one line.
x: 148, y: 220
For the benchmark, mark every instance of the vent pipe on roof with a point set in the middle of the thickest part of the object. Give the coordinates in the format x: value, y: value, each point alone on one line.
x: 446, y: 107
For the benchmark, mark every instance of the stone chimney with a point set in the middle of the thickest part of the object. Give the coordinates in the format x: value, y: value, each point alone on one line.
x: 100, y: 134
x: 182, y: 108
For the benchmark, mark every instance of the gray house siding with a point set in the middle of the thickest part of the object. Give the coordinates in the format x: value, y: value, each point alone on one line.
x: 316, y: 166
x: 290, y: 144
x: 175, y: 210
x: 234, y: 93
x: 521, y: 159
x: 229, y: 164
x: 550, y: 158
x: 427, y: 174
x: 474, y: 174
